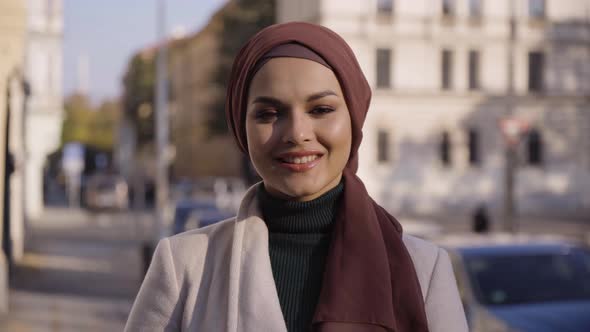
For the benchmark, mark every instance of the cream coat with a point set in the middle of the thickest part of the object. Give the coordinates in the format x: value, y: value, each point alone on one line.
x: 219, y: 278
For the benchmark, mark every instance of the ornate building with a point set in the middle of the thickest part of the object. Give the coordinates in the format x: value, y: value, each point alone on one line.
x: 444, y: 73
x: 44, y: 110
x: 12, y: 37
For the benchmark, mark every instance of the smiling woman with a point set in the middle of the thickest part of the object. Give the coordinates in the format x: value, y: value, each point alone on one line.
x: 309, y: 249
x: 298, y: 128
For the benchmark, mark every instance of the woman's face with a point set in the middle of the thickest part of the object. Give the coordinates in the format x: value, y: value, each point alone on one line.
x: 298, y: 128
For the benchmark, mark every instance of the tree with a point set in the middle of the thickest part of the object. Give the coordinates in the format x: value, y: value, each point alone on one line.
x: 138, y: 95
x: 77, y: 122
x: 241, y: 20
x: 105, y: 125
x: 92, y: 127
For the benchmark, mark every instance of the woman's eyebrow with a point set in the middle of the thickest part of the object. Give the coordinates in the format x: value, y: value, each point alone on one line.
x: 321, y: 95
x: 268, y: 100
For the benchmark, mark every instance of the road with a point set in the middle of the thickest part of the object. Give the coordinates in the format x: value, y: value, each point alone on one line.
x: 80, y: 272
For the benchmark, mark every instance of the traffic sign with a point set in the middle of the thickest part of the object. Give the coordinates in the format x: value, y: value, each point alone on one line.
x: 513, y: 129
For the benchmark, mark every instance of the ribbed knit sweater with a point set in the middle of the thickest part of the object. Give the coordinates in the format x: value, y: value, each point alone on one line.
x: 299, y: 239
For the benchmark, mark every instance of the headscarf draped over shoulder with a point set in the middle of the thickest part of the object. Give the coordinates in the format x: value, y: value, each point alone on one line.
x: 369, y: 283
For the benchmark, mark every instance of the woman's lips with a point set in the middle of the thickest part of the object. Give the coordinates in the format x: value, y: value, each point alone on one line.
x: 301, y: 167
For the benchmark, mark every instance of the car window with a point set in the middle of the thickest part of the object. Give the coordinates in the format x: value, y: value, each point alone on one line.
x: 531, y: 278
x: 585, y: 258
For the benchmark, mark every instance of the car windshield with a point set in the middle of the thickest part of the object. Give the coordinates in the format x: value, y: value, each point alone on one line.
x: 109, y: 184
x: 530, y: 278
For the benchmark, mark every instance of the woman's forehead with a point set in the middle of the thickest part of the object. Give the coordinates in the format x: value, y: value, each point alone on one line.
x: 293, y: 76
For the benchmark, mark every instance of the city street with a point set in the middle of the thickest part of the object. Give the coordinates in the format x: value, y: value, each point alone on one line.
x: 80, y: 272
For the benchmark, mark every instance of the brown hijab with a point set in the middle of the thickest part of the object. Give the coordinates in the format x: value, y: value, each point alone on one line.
x: 369, y: 283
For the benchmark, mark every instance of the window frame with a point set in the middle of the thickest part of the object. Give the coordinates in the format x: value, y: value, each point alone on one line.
x: 536, y: 71
x: 445, y: 149
x: 475, y: 14
x: 474, y: 70
x: 537, y: 13
x: 473, y: 147
x: 446, y: 69
x: 448, y: 8
x: 383, y: 82
x: 385, y: 10
x: 534, y: 153
x: 383, y: 146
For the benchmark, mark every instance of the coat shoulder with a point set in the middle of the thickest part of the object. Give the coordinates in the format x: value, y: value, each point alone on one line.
x: 191, y: 247
x: 424, y: 255
x: 205, y: 232
x: 434, y: 269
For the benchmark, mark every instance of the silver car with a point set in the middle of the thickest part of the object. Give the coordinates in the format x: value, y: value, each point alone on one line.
x: 106, y: 192
x: 522, y: 284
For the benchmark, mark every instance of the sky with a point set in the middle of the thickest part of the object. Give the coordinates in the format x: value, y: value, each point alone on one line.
x: 108, y: 32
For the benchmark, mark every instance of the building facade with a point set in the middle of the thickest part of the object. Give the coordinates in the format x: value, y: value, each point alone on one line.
x: 44, y: 108
x: 12, y: 42
x: 444, y: 73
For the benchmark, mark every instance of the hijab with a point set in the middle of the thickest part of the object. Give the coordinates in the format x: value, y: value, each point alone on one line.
x: 369, y: 283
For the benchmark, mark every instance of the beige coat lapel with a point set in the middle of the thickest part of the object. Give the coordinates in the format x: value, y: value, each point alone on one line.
x: 253, y: 300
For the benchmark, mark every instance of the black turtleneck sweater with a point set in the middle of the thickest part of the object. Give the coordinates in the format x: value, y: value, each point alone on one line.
x: 299, y: 239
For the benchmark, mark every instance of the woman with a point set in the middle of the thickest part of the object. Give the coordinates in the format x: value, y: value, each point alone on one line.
x: 309, y: 249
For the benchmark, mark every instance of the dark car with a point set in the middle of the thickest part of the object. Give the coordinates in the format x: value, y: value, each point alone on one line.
x: 523, y: 285
x: 192, y: 213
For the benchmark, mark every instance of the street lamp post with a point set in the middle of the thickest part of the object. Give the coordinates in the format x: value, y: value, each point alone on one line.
x: 513, y: 129
x: 161, y: 124
x: 510, y: 153
x: 509, y: 224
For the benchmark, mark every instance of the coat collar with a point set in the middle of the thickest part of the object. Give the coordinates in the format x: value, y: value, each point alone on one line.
x: 253, y: 299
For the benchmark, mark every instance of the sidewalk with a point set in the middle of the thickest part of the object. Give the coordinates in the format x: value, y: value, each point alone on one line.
x: 38, y: 312
x: 80, y: 272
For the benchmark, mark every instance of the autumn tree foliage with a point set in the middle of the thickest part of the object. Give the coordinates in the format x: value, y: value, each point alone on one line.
x: 92, y: 126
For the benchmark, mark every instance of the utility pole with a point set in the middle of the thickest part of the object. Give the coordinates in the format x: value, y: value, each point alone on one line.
x: 510, y: 153
x: 161, y: 125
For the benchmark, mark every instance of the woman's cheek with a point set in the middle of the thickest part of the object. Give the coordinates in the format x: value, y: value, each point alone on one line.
x: 260, y: 143
x: 336, y: 133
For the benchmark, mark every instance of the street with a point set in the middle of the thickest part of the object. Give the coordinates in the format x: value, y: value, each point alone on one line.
x: 80, y: 272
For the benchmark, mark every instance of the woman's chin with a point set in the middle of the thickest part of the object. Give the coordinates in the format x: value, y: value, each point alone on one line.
x: 299, y: 192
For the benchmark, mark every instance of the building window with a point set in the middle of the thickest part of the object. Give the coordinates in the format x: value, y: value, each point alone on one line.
x: 383, y: 146
x: 385, y: 7
x: 50, y: 73
x: 473, y: 144
x: 536, y: 71
x: 475, y: 8
x: 445, y: 149
x: 448, y: 7
x: 447, y: 69
x: 49, y: 8
x: 383, y: 68
x: 473, y: 70
x: 534, y: 148
x: 537, y: 9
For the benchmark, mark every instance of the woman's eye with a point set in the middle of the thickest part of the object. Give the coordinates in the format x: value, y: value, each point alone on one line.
x: 266, y: 114
x: 322, y: 110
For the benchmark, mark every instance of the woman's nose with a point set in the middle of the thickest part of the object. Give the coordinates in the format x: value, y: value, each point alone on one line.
x: 297, y: 127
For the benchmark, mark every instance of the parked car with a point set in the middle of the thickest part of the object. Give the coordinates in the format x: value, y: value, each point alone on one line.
x: 106, y: 192
x: 195, y: 213
x: 522, y: 284
x: 227, y: 191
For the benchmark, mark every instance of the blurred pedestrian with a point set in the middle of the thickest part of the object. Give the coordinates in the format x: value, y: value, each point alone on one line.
x: 309, y: 249
x: 481, y: 220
